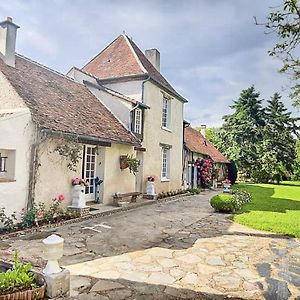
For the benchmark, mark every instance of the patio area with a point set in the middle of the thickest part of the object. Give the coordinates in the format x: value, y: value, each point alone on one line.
x: 173, y: 250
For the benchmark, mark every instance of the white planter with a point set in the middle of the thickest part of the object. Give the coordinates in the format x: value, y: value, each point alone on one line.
x: 52, y: 252
x: 78, y: 200
x: 226, y: 187
x: 150, y: 188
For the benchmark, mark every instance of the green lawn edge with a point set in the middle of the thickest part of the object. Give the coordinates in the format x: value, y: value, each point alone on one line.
x: 274, y: 208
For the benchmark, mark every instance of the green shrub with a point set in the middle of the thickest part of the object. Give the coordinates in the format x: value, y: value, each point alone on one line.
x: 230, y: 203
x: 18, y: 278
x: 242, y: 197
x: 224, y: 203
x: 194, y: 191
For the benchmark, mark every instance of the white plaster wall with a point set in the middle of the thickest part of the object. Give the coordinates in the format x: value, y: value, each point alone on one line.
x: 115, y: 179
x: 132, y: 89
x: 9, y: 98
x: 154, y: 135
x: 53, y: 176
x: 120, y: 108
x: 17, y: 133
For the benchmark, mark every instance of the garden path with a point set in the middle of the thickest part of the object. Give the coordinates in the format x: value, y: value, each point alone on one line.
x: 174, y: 250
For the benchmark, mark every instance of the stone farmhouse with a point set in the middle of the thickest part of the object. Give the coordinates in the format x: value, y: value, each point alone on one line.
x: 54, y: 127
x: 196, y: 147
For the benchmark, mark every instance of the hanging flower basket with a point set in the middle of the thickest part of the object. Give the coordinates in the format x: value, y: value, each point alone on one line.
x: 123, y: 162
x: 128, y: 161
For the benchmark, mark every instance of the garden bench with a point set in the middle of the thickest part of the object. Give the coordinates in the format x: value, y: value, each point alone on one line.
x: 119, y: 197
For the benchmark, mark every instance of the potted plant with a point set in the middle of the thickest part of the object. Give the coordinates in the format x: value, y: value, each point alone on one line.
x: 19, y: 282
x: 150, y: 185
x: 79, y: 184
x: 123, y: 162
x: 226, y: 185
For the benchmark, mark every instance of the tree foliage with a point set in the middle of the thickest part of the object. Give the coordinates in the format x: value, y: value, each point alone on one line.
x: 284, y: 21
x: 242, y: 131
x: 296, y: 167
x: 261, y: 140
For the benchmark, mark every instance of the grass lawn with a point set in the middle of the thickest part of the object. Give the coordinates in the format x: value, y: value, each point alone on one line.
x: 273, y: 208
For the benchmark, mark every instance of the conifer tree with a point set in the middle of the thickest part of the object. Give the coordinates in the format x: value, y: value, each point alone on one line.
x: 278, y: 140
x: 242, y: 131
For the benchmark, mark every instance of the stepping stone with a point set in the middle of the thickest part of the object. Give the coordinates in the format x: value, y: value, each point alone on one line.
x: 105, y: 285
x: 161, y: 278
x: 277, y: 290
x: 190, y: 279
x: 264, y: 269
x: 79, y: 283
x: 215, y: 261
x: 290, y: 277
x: 295, y: 269
x: 120, y: 294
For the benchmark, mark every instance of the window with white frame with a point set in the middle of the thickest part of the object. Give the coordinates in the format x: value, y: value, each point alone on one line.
x: 7, y: 164
x: 3, y: 167
x: 165, y: 162
x: 138, y: 121
x: 165, y: 113
x: 89, y: 168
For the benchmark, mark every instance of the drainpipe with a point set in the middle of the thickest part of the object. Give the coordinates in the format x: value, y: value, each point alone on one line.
x: 143, y: 87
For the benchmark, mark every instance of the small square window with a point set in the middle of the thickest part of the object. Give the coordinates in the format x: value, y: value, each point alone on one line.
x: 7, y: 164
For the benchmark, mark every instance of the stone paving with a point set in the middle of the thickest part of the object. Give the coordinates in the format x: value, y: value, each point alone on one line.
x: 175, y: 250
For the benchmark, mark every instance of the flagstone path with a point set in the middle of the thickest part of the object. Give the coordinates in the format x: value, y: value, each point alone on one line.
x: 175, y: 250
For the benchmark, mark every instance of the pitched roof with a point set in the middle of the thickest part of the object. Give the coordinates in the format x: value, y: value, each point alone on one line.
x: 196, y: 142
x: 123, y: 58
x: 60, y: 104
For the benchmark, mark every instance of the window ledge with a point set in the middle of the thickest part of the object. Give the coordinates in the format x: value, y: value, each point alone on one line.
x: 165, y: 180
x: 2, y: 180
x: 166, y: 129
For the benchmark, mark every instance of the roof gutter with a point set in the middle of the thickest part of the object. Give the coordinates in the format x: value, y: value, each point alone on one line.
x: 87, y: 138
x: 124, y: 78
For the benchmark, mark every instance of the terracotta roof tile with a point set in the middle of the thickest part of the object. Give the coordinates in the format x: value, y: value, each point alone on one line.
x: 124, y: 58
x: 60, y: 104
x: 115, y: 60
x: 196, y: 142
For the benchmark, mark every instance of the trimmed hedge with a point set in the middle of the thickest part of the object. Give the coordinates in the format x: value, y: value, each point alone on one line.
x: 229, y: 203
x: 224, y: 203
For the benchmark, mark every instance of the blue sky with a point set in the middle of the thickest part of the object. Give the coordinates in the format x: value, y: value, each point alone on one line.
x: 210, y: 49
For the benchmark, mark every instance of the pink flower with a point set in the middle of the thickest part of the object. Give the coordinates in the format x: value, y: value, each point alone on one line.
x: 40, y: 214
x: 60, y: 198
x: 23, y: 209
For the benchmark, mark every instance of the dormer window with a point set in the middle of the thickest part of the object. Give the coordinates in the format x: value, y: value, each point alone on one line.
x: 137, y: 128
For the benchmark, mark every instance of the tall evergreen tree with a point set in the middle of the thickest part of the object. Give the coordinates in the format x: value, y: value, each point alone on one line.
x: 279, y: 142
x: 242, y: 131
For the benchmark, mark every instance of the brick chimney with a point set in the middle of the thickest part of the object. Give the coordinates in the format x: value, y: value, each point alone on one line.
x: 203, y: 128
x: 153, y: 56
x: 8, y: 35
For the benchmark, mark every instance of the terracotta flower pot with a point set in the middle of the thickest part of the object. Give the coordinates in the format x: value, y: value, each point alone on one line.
x: 123, y: 162
x: 37, y: 293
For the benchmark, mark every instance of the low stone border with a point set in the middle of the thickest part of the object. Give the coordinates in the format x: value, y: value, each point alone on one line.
x: 93, y: 216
